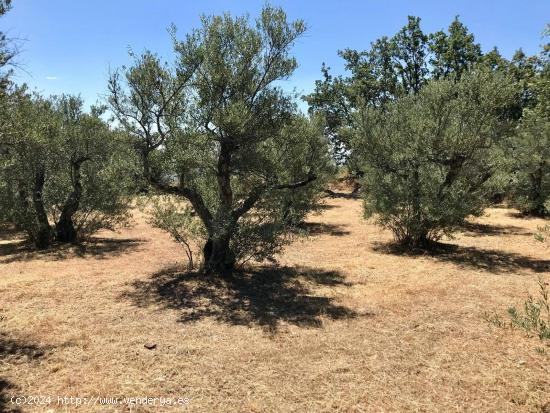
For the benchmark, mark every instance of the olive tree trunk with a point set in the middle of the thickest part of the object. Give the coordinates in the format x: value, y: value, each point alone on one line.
x: 218, y: 257
x: 64, y: 228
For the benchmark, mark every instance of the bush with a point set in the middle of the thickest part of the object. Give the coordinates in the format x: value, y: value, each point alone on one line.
x: 530, y: 155
x: 543, y: 233
x: 535, y: 317
x: 178, y: 219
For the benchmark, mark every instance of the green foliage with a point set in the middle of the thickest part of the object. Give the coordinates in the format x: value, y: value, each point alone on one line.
x: 531, y: 163
x: 430, y: 159
x: 106, y: 163
x: 63, y: 166
x: 30, y: 123
x: 176, y: 217
x: 455, y: 52
x: 529, y: 151
x: 147, y: 100
x: 235, y: 147
x: 543, y: 232
x: 410, y: 55
x: 535, y: 317
x: 494, y: 61
x: 300, y: 149
x: 393, y: 67
x: 332, y: 100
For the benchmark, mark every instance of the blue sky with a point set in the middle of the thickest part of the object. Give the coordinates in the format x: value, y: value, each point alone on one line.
x: 69, y: 45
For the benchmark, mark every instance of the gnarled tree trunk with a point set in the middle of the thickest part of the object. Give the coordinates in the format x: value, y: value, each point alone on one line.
x: 218, y: 257
x: 64, y: 228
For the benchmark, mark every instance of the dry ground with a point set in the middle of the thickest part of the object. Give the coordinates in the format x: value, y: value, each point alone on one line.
x: 343, y: 324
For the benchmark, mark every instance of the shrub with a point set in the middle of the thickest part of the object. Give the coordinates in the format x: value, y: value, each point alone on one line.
x: 178, y: 219
x: 530, y: 154
x: 535, y: 317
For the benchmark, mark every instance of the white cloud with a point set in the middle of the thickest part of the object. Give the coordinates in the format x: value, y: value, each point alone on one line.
x: 51, y: 77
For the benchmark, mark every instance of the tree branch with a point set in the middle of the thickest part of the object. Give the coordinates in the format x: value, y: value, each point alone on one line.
x: 193, y: 196
x: 257, y: 192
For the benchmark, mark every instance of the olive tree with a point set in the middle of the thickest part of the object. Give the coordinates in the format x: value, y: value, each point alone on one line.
x: 529, y: 150
x: 93, y: 173
x: 239, y: 154
x: 30, y: 124
x: 430, y: 160
x: 64, y: 172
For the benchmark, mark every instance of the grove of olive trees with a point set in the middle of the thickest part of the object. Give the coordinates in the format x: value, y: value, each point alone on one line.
x: 432, y: 129
x: 435, y: 130
x: 189, y: 220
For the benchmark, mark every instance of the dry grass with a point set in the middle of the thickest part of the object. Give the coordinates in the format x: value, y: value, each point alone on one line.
x: 344, y: 324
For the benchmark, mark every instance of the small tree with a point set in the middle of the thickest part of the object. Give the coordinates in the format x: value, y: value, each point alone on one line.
x: 246, y: 162
x: 92, y: 177
x: 175, y: 216
x: 430, y: 159
x: 30, y: 126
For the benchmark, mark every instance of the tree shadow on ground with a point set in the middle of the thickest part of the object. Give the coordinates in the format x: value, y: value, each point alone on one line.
x: 343, y: 195
x: 524, y: 215
x: 476, y: 229
x: 490, y: 260
x: 97, y: 247
x: 14, y: 351
x: 7, y: 391
x: 8, y: 232
x: 265, y: 296
x: 320, y: 228
x: 326, y: 207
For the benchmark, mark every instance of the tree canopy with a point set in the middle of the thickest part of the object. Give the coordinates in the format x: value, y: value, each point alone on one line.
x: 232, y: 143
x: 393, y: 67
x: 430, y: 159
